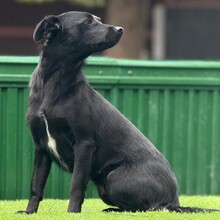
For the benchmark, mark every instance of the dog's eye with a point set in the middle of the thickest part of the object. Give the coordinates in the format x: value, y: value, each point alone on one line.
x: 89, y: 21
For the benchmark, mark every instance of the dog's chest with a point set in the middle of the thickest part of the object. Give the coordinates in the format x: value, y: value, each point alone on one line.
x: 53, y: 134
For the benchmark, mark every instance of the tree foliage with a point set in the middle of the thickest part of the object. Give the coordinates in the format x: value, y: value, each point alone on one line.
x: 86, y: 3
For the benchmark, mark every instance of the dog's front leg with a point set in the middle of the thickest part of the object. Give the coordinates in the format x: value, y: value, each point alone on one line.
x: 83, y: 154
x: 42, y: 165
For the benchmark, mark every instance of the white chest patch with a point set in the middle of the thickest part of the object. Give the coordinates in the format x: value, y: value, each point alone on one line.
x: 51, y: 141
x: 52, y: 144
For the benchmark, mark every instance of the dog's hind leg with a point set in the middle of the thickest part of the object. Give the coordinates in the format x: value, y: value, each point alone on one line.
x: 105, y: 198
x: 124, y: 196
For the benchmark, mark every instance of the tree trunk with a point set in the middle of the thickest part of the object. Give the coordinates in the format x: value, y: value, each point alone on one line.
x: 132, y: 15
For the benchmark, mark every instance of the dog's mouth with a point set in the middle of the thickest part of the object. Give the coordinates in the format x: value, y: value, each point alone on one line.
x: 106, y: 45
x: 103, y: 45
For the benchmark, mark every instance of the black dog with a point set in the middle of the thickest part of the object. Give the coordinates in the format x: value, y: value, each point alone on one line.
x: 82, y: 132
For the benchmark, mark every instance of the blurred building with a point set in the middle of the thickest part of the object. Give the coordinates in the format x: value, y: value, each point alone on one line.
x: 18, y: 20
x: 178, y: 29
x: 186, y: 29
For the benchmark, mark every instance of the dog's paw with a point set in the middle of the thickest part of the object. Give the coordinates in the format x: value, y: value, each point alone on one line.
x: 113, y: 210
x: 20, y: 212
x: 25, y: 212
x: 74, y: 210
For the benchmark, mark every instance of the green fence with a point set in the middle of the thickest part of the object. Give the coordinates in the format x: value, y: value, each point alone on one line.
x: 175, y: 104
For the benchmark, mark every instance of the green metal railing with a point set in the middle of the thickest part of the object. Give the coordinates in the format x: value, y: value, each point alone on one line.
x: 176, y: 104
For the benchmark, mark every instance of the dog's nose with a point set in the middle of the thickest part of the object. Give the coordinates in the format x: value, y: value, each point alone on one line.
x: 119, y: 29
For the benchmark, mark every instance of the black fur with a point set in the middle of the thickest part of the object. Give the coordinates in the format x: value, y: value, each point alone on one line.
x: 93, y: 139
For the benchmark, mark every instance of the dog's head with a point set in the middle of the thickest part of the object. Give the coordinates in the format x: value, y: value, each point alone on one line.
x: 76, y: 32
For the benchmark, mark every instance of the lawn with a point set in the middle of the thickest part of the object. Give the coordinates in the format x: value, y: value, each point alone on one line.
x: 56, y: 210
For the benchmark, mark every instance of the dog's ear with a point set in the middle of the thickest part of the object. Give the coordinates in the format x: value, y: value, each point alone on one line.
x: 47, y: 29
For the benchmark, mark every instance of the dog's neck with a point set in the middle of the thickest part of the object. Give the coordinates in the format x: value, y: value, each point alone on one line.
x: 57, y: 78
x: 68, y: 67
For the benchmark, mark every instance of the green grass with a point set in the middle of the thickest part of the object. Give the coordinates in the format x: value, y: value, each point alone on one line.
x: 56, y: 210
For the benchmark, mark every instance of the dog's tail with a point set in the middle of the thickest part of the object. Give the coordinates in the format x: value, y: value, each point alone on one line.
x: 181, y: 209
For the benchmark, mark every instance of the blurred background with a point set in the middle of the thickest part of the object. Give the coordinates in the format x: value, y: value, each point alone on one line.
x: 175, y: 103
x: 154, y: 29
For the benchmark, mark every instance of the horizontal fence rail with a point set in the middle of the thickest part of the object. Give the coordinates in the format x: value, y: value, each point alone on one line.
x: 175, y: 104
